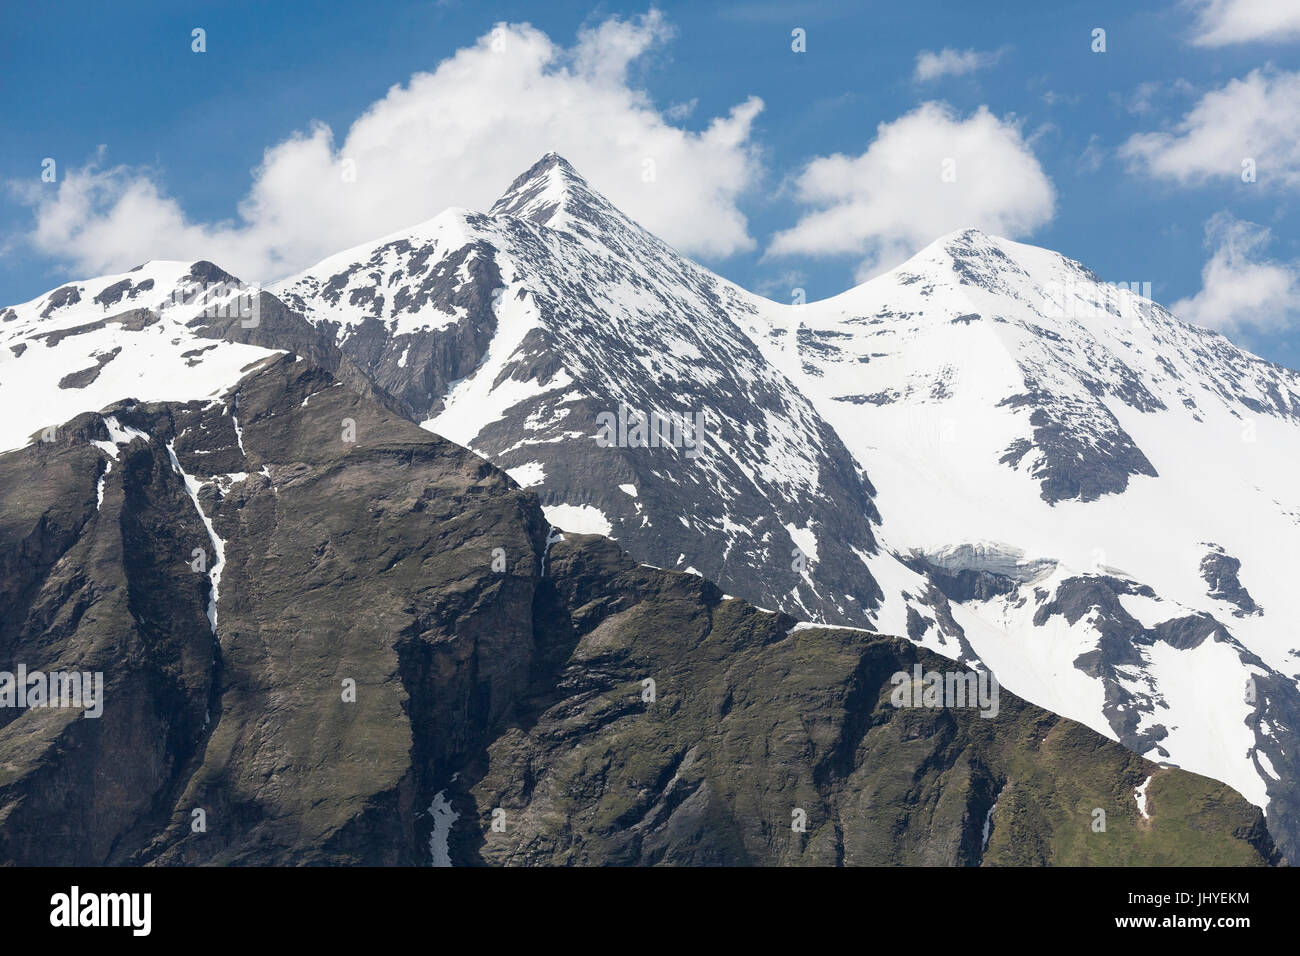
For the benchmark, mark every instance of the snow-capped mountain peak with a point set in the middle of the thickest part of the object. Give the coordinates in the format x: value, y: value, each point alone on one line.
x: 528, y: 328
x: 999, y: 392
x: 550, y: 192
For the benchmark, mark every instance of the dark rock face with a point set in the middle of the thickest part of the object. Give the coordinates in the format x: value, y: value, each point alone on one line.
x: 1120, y: 637
x: 208, y: 274
x: 393, y: 621
x: 367, y: 560
x: 964, y: 584
x: 1276, y: 703
x: 752, y: 723
x: 68, y: 295
x: 386, y: 580
x: 279, y: 327
x: 1220, y: 571
x: 114, y: 293
x: 1079, y: 451
x: 415, y: 367
x: 133, y: 320
x: 108, y: 590
x: 84, y: 377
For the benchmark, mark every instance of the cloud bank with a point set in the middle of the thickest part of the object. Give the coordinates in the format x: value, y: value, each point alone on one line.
x: 950, y: 62
x: 1224, y: 22
x: 1240, y: 287
x: 926, y: 174
x: 1255, y: 118
x: 455, y: 136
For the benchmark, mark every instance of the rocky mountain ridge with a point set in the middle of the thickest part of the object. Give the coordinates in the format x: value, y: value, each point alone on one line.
x: 387, y: 656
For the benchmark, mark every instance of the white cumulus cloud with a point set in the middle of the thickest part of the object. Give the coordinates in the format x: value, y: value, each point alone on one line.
x: 1254, y: 118
x: 455, y: 136
x: 1240, y: 287
x: 950, y: 62
x: 1224, y: 22
x: 893, y: 199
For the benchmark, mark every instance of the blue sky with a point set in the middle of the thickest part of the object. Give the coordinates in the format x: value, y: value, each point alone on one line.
x: 165, y: 140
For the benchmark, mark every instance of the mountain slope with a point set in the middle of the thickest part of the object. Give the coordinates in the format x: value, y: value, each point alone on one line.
x: 383, y: 616
x: 1067, y: 484
x: 516, y: 332
x: 1120, y: 485
x: 752, y: 723
x: 166, y: 331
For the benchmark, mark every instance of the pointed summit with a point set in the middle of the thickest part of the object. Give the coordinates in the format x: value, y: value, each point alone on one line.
x: 970, y: 258
x: 549, y: 187
x: 966, y: 243
x: 552, y: 193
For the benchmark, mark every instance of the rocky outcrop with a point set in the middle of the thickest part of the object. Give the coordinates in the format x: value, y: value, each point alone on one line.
x: 1220, y: 571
